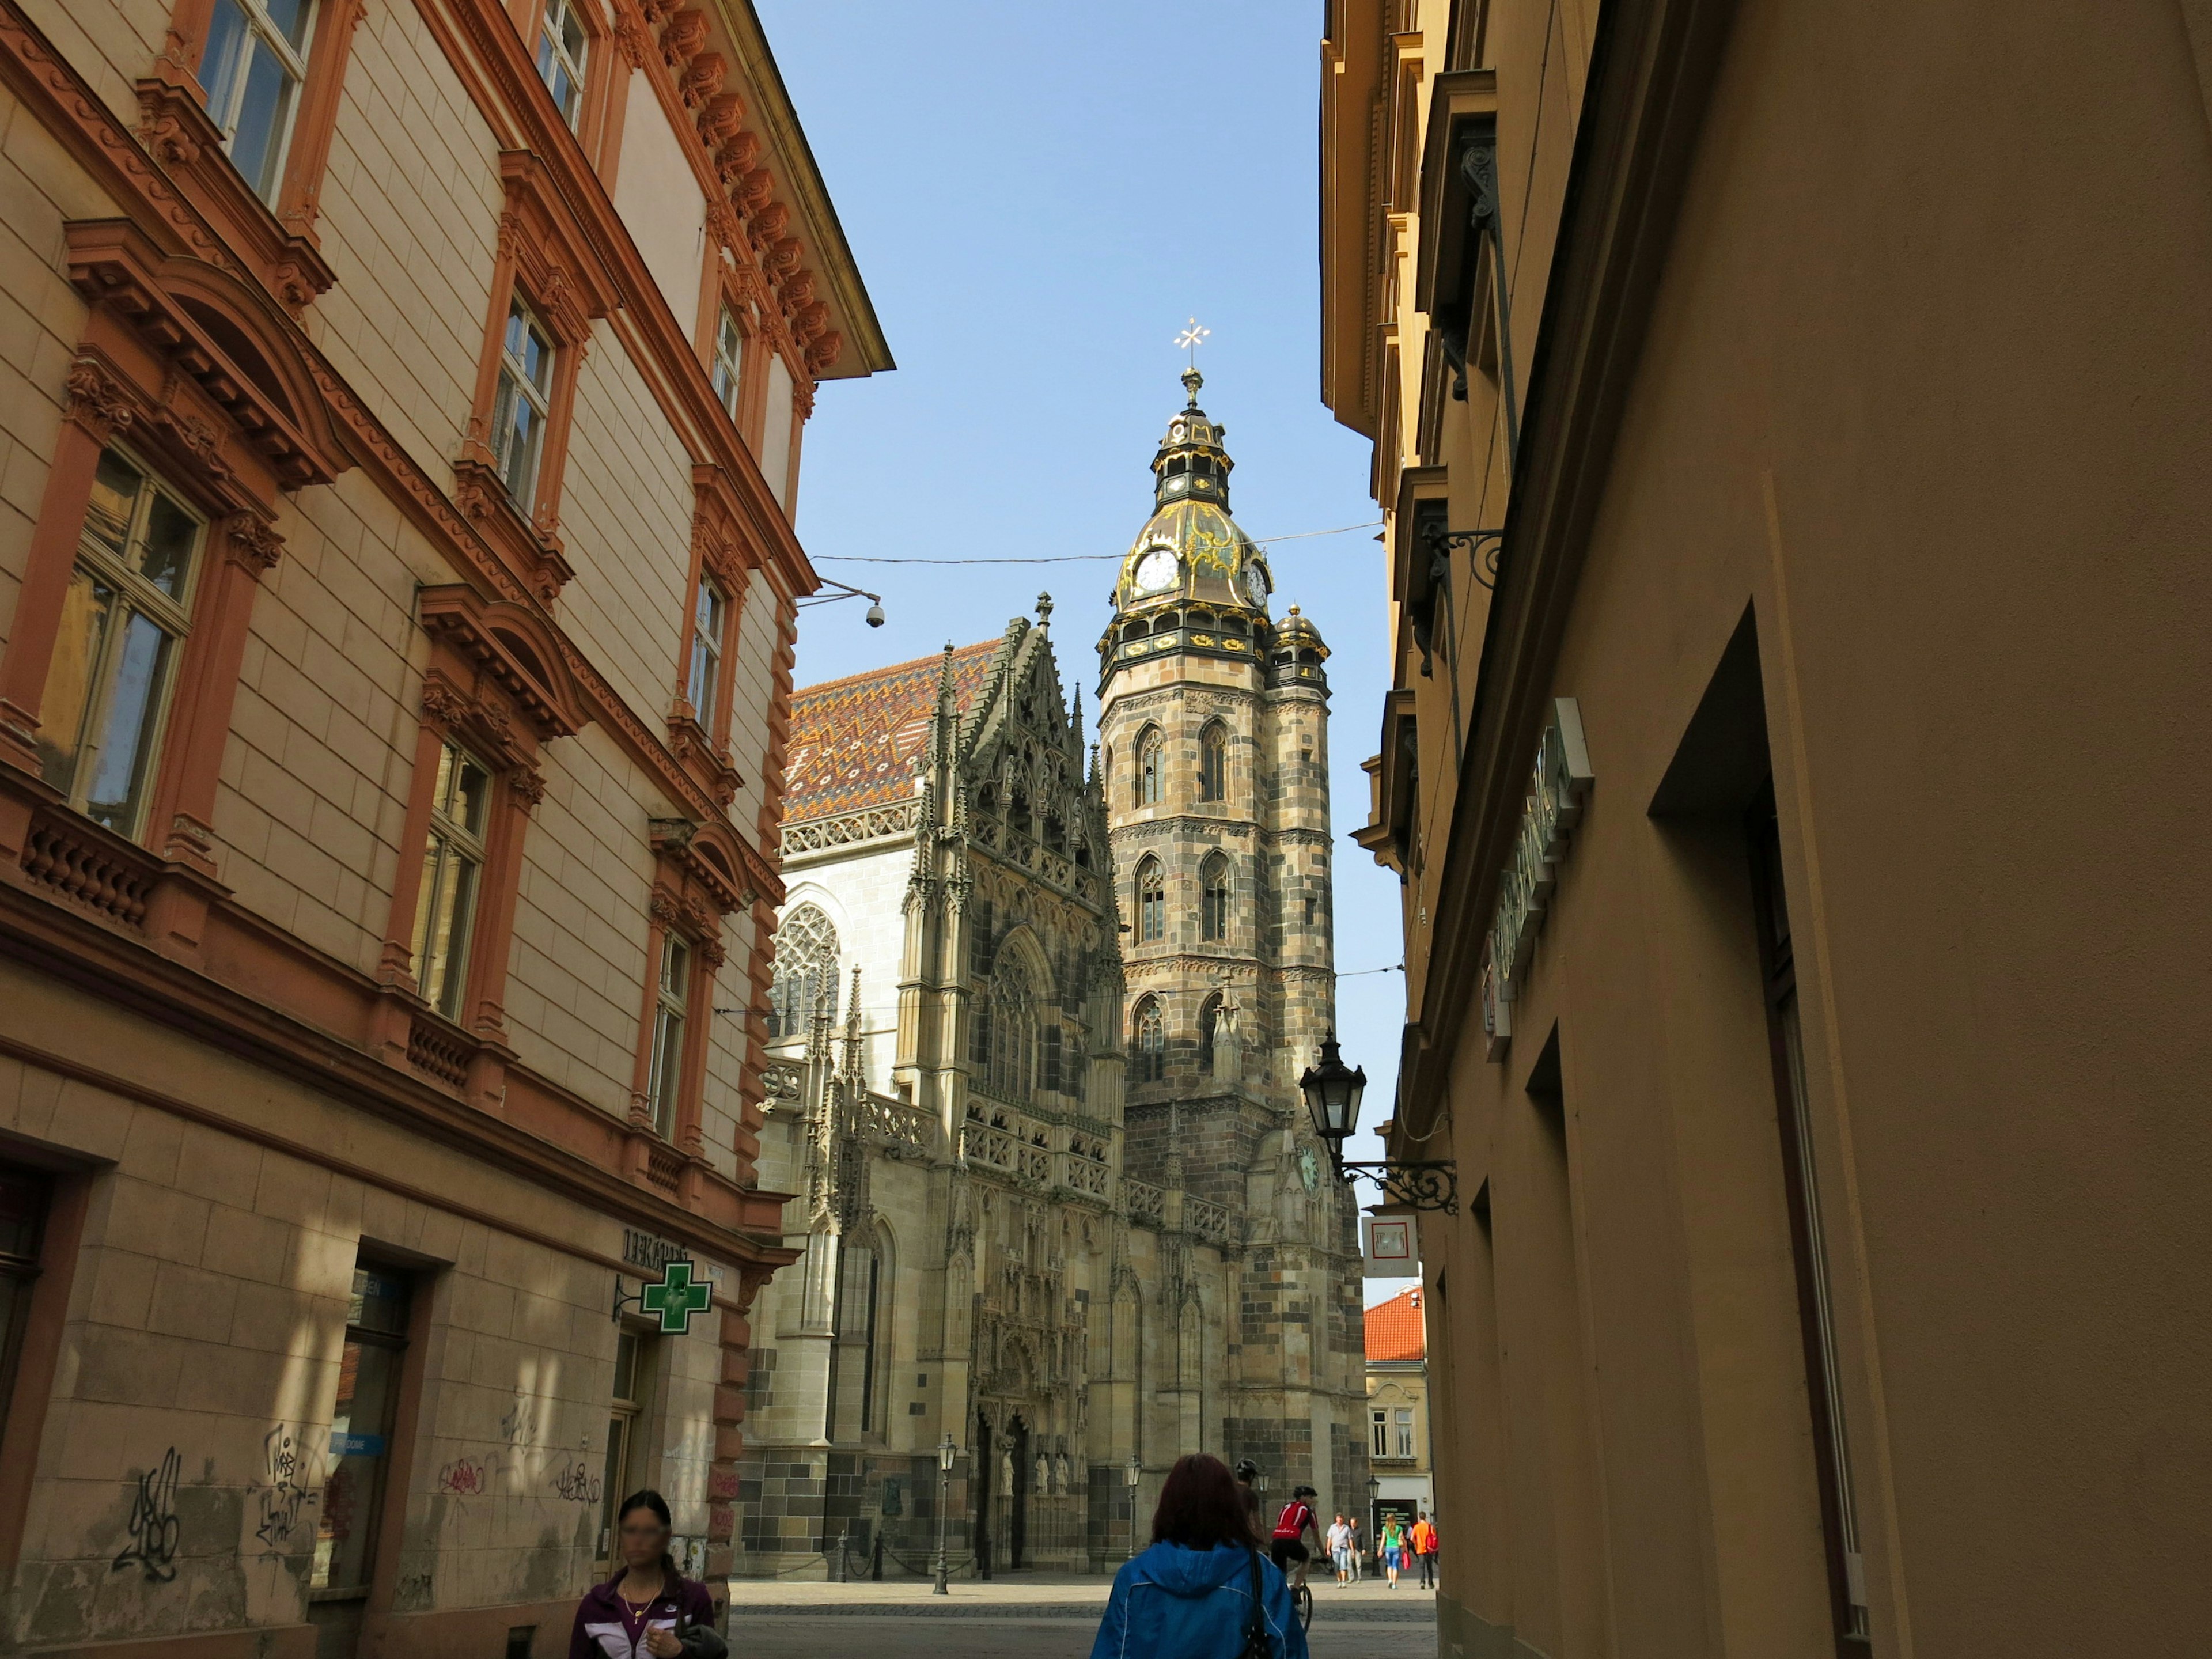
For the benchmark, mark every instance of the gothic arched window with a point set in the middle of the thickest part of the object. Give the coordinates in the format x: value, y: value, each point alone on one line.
x: 1152, y: 903
x: 1151, y: 762
x: 1213, y: 899
x: 805, y: 971
x: 1009, y: 1042
x: 1148, y: 1043
x: 1214, y: 761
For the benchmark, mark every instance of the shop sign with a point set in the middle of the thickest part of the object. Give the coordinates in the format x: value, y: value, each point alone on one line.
x: 673, y: 1297
x: 1556, y: 790
x: 648, y: 1250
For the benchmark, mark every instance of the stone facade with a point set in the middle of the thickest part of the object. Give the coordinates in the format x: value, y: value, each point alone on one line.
x: 1007, y: 1241
x: 366, y: 897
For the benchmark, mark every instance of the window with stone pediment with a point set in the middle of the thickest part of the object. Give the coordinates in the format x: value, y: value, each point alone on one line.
x: 805, y: 970
x: 1148, y: 1043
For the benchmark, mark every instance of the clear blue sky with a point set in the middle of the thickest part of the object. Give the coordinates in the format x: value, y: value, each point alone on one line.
x: 1038, y: 196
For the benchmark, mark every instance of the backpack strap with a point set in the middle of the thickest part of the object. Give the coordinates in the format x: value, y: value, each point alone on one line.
x: 1255, y: 1626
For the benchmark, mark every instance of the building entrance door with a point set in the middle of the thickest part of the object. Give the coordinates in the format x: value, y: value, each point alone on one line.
x: 984, y: 1480
x: 1018, y: 1509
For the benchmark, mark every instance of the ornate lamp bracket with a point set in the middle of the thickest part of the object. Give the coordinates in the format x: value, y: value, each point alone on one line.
x: 1483, y: 544
x: 1424, y: 1186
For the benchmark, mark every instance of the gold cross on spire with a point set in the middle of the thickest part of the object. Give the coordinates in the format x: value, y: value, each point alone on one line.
x: 1191, y: 339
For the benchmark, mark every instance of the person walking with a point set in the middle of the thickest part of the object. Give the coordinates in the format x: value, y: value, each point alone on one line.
x: 1359, y: 1547
x: 1392, y: 1552
x: 648, y: 1608
x: 1247, y: 1476
x: 1204, y: 1590
x: 1425, y: 1549
x: 1339, y: 1549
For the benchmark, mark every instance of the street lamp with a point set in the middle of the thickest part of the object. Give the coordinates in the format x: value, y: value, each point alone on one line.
x: 1333, y: 1091
x: 946, y: 1454
x: 1375, y: 1507
x: 1130, y: 1472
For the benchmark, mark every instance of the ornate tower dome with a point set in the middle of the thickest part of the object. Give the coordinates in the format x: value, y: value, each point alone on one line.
x: 1192, y: 580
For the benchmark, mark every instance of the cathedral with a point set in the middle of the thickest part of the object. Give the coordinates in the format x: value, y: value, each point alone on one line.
x: 1038, y: 1019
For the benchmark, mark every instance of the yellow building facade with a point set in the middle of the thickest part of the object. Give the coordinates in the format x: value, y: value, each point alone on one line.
x: 400, y: 414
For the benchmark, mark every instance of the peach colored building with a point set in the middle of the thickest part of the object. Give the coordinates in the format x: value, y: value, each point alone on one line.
x: 1790, y: 422
x: 400, y: 409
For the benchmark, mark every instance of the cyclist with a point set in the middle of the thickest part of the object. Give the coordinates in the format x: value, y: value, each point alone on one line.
x: 1288, y: 1545
x: 1247, y: 1472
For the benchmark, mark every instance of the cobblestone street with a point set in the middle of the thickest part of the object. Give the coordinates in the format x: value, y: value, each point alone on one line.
x: 1040, y: 1616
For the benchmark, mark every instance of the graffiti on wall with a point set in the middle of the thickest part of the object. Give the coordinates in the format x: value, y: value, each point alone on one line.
x: 469, y: 1477
x: 283, y: 1492
x: 155, y: 1532
x: 578, y: 1484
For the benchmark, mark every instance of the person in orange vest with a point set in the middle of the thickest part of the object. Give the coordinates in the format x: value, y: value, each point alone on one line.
x: 1424, y: 1550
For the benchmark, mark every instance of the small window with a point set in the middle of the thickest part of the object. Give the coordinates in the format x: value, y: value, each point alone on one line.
x: 1213, y: 763
x: 1213, y: 900
x: 1382, y: 1443
x: 1404, y: 1425
x: 1152, y: 903
x: 709, y: 617
x: 729, y: 361
x: 1149, y: 1043
x: 562, y: 46
x: 361, y: 1433
x: 1149, y: 763
x: 453, y: 862
x: 255, y: 62
x: 525, y: 393
x: 123, y: 629
x: 669, y: 1007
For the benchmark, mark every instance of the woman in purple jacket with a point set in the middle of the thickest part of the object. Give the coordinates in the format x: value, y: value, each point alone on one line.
x: 648, y: 1607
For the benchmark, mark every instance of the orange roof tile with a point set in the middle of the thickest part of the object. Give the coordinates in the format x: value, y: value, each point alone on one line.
x: 853, y: 740
x: 1394, y: 1330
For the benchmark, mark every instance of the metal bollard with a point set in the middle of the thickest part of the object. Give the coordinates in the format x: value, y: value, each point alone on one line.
x: 876, y: 1572
x: 843, y: 1543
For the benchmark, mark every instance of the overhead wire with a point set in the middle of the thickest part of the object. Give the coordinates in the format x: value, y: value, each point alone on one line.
x: 1068, y: 558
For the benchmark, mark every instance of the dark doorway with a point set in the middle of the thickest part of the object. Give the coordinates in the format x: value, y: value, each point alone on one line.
x: 1018, y: 1509
x: 985, y: 1480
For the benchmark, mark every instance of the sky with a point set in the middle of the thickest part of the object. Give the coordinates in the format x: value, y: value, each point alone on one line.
x: 1038, y: 198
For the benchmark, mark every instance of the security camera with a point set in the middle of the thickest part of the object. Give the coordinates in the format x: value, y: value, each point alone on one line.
x: 875, y: 614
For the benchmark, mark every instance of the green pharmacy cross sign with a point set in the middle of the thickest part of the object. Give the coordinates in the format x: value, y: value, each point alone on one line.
x: 675, y: 1297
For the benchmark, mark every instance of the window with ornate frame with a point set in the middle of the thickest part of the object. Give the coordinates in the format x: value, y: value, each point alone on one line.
x: 805, y: 970
x: 563, y: 50
x: 124, y: 624
x: 1213, y: 899
x: 710, y: 622
x: 1214, y: 761
x: 1148, y: 1043
x: 525, y: 400
x: 1151, y: 762
x: 728, y: 374
x: 671, y: 1015
x: 253, y: 70
x: 1152, y: 902
x: 452, y: 870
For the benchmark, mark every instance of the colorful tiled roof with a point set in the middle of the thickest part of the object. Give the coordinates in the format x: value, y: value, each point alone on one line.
x: 852, y: 741
x: 1394, y: 1330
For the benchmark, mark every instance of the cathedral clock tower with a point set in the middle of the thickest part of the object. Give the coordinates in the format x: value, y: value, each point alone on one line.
x: 1213, y: 757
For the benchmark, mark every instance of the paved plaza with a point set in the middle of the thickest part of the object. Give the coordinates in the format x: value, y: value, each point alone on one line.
x: 1027, y: 1616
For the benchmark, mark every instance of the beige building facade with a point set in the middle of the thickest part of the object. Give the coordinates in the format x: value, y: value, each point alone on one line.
x: 399, y: 428
x: 1793, y: 763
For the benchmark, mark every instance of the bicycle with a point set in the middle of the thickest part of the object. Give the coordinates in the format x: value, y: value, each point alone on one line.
x: 1302, y: 1599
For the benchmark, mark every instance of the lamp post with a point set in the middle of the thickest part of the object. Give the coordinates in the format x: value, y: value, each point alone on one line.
x: 1130, y: 1473
x: 946, y: 1454
x: 1375, y: 1507
x: 1333, y: 1091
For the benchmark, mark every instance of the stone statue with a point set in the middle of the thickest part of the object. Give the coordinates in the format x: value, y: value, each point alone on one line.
x: 1006, y: 1474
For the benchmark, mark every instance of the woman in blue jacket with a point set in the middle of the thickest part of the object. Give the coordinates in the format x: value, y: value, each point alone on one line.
x: 1190, y: 1596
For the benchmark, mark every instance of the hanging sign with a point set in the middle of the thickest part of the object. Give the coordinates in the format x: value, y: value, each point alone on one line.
x: 1556, y: 790
x: 1389, y: 1247
x: 673, y: 1297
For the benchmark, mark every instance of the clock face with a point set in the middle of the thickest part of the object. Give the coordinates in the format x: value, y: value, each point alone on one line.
x: 1155, y: 570
x: 1309, y: 1168
x: 1256, y: 584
